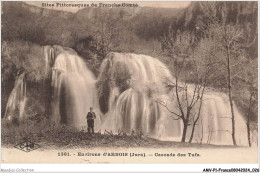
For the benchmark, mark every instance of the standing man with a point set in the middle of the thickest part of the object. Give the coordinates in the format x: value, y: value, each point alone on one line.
x: 90, y: 120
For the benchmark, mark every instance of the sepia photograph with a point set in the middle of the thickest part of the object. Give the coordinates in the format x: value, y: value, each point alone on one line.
x: 129, y: 82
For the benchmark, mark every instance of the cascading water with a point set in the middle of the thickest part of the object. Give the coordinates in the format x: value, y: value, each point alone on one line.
x: 215, y: 124
x: 134, y: 80
x: 132, y: 84
x: 17, y: 100
x: 128, y: 89
x: 73, y: 91
x: 51, y: 53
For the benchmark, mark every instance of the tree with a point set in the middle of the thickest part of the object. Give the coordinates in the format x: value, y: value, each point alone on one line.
x: 229, y: 52
x: 186, y: 69
x: 205, y: 69
x: 106, y: 30
x: 249, y: 94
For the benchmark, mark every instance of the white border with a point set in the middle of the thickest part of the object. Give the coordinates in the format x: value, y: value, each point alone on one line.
x: 128, y: 167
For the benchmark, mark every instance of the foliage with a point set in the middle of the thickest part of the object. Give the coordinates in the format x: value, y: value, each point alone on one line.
x: 24, y: 57
x: 121, y: 76
x: 47, y: 134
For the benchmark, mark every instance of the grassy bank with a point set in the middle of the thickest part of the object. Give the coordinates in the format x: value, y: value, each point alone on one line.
x: 50, y: 135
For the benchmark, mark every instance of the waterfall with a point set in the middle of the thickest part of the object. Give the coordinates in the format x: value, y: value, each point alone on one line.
x: 73, y: 91
x: 134, y: 80
x: 125, y: 97
x: 132, y: 84
x: 17, y: 100
x: 50, y: 54
x: 214, y: 125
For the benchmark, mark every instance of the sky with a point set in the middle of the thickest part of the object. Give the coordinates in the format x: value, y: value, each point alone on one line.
x: 164, y: 4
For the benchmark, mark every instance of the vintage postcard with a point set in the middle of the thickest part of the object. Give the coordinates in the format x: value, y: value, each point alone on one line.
x: 129, y: 82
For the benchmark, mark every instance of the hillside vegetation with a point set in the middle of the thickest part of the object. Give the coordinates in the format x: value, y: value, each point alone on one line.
x: 93, y: 32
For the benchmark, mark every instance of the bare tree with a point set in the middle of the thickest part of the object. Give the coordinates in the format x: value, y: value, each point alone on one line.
x: 205, y: 69
x: 228, y: 37
x: 186, y: 69
x: 250, y: 97
x: 198, y: 115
